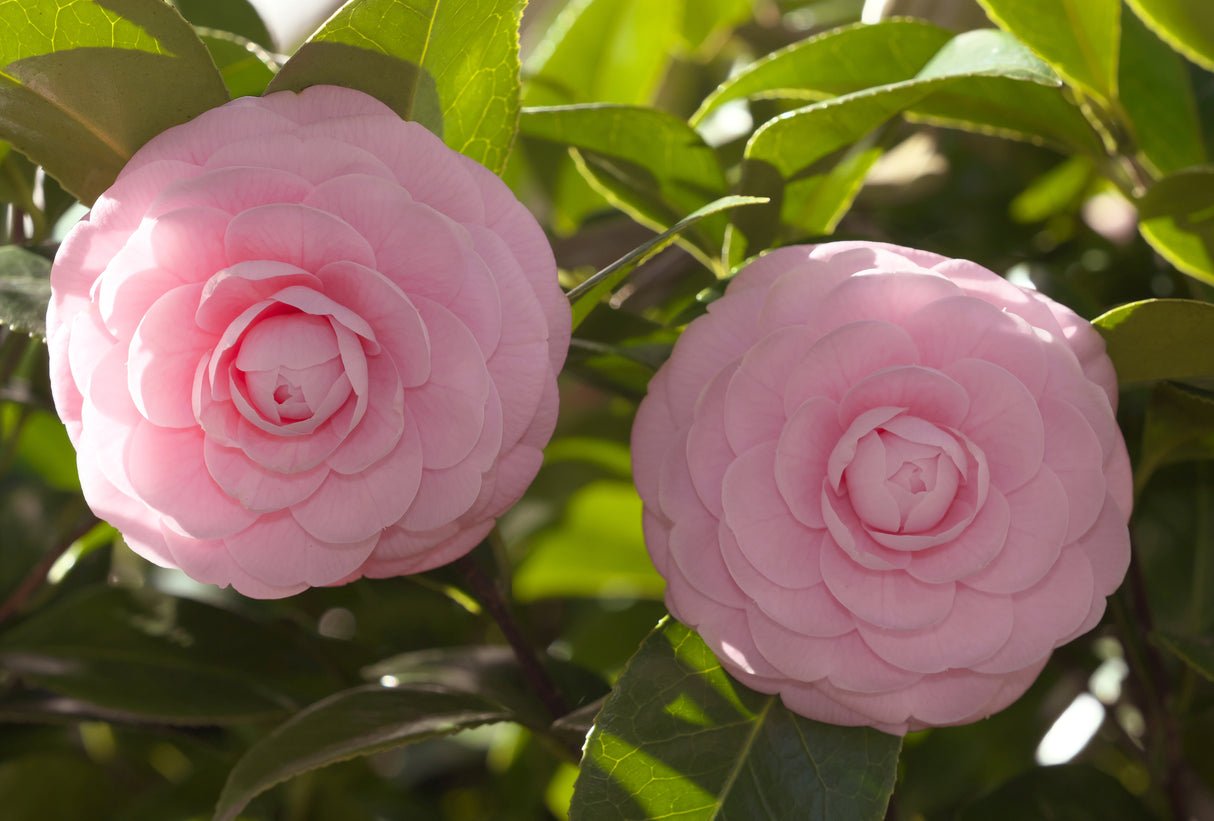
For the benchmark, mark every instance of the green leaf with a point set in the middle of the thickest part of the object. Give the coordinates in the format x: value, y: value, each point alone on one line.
x: 40, y: 786
x: 355, y: 722
x: 648, y: 163
x: 80, y: 92
x: 1195, y: 651
x: 1179, y: 427
x: 1076, y: 792
x: 841, y: 61
x: 246, y: 67
x: 596, y: 550
x: 711, y: 21
x: 159, y: 658
x: 1184, y: 25
x: 1079, y: 38
x: 1159, y: 339
x: 589, y: 293
x: 1157, y: 96
x: 25, y: 290
x: 1176, y: 216
x: 604, y: 51
x: 451, y: 66
x: 679, y: 738
x: 237, y: 17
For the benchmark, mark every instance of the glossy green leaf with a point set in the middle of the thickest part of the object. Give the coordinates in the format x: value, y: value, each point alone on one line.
x: 237, y: 17
x: 650, y: 164
x: 709, y: 21
x: 81, y: 92
x: 1195, y: 651
x: 679, y: 738
x: 25, y: 290
x: 159, y: 658
x: 355, y: 722
x: 586, y: 295
x: 603, y: 51
x: 1177, y: 217
x: 246, y: 67
x: 1058, y: 190
x: 1160, y: 339
x: 1179, y: 427
x: 1157, y: 97
x: 841, y: 61
x: 451, y: 66
x: 1186, y: 26
x: 1079, y: 38
x: 43, y: 446
x: 596, y: 550
x: 1076, y: 792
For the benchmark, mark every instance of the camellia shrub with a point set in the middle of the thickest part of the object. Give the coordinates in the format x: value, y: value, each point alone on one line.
x: 607, y: 409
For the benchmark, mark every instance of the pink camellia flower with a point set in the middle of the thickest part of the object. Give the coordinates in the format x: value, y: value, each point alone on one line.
x: 884, y: 484
x: 301, y: 341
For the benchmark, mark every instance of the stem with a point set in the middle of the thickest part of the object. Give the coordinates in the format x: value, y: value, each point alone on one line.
x: 38, y: 572
x: 487, y: 591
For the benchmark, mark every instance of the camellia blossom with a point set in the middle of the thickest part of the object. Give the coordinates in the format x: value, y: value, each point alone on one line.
x: 301, y: 341
x: 884, y: 484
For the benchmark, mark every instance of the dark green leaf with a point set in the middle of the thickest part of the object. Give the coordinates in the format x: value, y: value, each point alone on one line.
x: 679, y: 738
x: 355, y: 722
x: 1184, y: 25
x: 1195, y: 651
x: 1158, y: 100
x: 160, y: 658
x: 50, y: 785
x: 451, y: 66
x: 604, y: 51
x: 246, y: 67
x: 1179, y: 427
x: 1160, y: 339
x: 1079, y: 38
x: 25, y: 290
x: 1177, y: 217
x: 1076, y: 792
x: 649, y: 163
x: 81, y: 92
x: 234, y: 16
x: 837, y: 62
x: 596, y: 550
x: 586, y: 295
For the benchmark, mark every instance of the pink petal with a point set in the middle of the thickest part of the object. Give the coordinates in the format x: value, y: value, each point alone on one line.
x: 166, y: 469
x: 1003, y: 420
x: 164, y: 357
x: 314, y: 159
x: 773, y: 541
x: 380, y: 428
x: 754, y: 400
x: 295, y: 234
x: 1107, y: 546
x: 990, y: 287
x: 860, y: 670
x: 429, y: 550
x: 987, y: 536
x: 351, y: 508
x: 278, y: 551
x: 653, y: 430
x: 1045, y: 614
x: 802, y: 456
x: 138, y: 523
x: 708, y: 452
x: 255, y: 487
x: 921, y: 392
x: 804, y: 276
x: 757, y: 585
x: 809, y: 611
x: 967, y: 328
x: 232, y: 291
x: 1034, y: 540
x: 845, y: 356
x: 974, y: 630
x: 1073, y: 452
x: 243, y: 120
x: 889, y: 598
x: 890, y: 296
x: 797, y: 656
x: 693, y: 554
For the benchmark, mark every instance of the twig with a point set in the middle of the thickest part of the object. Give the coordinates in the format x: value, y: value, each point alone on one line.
x: 484, y: 589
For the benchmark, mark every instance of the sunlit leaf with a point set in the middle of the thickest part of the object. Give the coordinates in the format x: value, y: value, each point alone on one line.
x: 709, y: 22
x: 1160, y: 339
x: 1079, y: 38
x: 679, y: 738
x: 1177, y: 217
x: 1186, y: 26
x: 246, y: 67
x: 25, y: 290
x: 81, y: 92
x: 451, y: 66
x: 1057, y: 190
x: 355, y: 722
x: 1158, y: 100
x: 237, y: 17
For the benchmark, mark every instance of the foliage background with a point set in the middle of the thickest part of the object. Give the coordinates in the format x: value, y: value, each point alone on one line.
x: 1067, y: 150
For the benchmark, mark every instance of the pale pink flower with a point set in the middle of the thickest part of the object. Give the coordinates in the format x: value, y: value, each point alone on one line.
x: 301, y: 341
x: 884, y: 484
